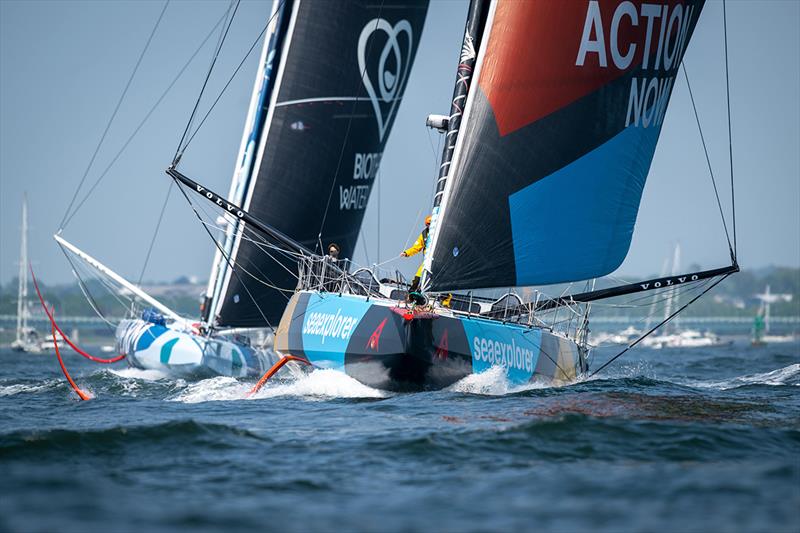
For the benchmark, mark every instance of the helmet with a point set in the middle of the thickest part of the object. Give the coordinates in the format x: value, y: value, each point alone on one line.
x: 428, y: 220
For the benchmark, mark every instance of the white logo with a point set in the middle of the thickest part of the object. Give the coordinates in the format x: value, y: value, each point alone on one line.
x: 389, y: 83
x: 467, y: 49
x: 330, y: 325
x: 503, y: 354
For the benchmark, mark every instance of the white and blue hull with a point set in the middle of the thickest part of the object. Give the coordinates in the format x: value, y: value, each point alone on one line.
x: 180, y: 353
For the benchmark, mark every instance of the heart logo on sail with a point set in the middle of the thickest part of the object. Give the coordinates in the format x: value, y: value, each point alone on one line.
x: 389, y: 82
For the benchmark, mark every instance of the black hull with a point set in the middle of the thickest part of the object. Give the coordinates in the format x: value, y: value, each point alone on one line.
x: 387, y: 346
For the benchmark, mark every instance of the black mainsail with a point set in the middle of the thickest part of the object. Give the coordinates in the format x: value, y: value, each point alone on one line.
x: 340, y: 70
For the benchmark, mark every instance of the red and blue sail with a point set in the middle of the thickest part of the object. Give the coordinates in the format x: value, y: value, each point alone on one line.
x: 557, y: 140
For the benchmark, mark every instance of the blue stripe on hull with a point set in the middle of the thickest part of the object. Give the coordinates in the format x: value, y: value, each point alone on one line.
x: 184, y: 354
x: 375, y: 344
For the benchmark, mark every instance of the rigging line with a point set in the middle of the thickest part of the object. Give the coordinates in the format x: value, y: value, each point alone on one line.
x: 235, y: 72
x: 228, y: 17
x: 357, y: 91
x: 64, y: 219
x: 364, y: 245
x: 395, y: 258
x: 430, y: 141
x: 379, y: 180
x: 437, y: 150
x: 268, y: 283
x: 708, y: 160
x: 112, y: 290
x: 657, y: 312
x: 85, y: 290
x: 224, y: 256
x: 730, y: 138
x: 146, y: 118
x: 262, y: 244
x: 413, y: 227
x: 436, y: 169
x: 655, y: 296
x: 218, y: 46
x: 205, y: 82
x: 155, y: 232
x: 670, y: 317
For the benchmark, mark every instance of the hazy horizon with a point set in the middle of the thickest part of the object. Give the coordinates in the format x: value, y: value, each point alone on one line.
x: 63, y: 66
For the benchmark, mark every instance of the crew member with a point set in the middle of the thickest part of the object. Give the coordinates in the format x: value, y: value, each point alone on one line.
x: 419, y: 246
x: 330, y: 268
x: 333, y: 252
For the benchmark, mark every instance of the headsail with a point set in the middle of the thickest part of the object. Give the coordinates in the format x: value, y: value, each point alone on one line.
x: 341, y: 75
x: 557, y: 140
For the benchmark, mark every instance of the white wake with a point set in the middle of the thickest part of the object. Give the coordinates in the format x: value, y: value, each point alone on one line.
x: 138, y: 373
x: 318, y: 384
x: 788, y: 375
x: 494, y: 382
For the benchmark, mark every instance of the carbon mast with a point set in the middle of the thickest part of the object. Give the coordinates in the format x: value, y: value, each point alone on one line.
x: 473, y: 31
x: 241, y: 183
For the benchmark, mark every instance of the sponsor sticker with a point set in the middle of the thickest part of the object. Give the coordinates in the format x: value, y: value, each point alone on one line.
x: 515, y: 349
x: 328, y: 324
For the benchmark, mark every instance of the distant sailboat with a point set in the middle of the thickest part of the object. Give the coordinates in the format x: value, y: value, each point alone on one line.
x: 761, y: 322
x: 675, y: 336
x: 27, y: 338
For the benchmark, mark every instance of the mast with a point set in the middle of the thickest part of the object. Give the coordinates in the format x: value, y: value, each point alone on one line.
x: 466, y: 64
x: 22, y: 291
x: 243, y: 170
x: 473, y: 32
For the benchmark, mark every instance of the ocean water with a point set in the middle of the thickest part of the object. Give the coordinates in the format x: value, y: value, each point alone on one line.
x: 666, y: 440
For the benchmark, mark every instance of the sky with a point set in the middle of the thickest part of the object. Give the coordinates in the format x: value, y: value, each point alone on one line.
x: 63, y: 66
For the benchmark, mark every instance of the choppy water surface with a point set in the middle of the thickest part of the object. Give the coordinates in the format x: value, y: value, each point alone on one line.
x: 704, y: 439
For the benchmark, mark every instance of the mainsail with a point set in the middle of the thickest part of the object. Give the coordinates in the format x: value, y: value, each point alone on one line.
x: 556, y: 142
x: 340, y: 70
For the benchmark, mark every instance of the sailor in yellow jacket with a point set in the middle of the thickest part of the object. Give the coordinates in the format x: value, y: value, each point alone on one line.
x: 419, y: 246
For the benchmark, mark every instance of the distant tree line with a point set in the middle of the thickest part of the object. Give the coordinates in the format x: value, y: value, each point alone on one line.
x: 734, y: 297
